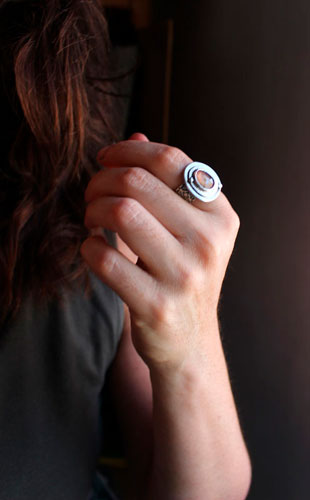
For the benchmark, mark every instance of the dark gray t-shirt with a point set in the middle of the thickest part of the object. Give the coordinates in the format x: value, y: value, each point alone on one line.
x: 53, y: 362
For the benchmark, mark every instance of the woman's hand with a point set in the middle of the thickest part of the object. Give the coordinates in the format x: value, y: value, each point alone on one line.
x: 172, y: 292
x: 183, y: 249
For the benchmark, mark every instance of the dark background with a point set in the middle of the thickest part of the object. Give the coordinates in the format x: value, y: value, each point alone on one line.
x: 235, y: 92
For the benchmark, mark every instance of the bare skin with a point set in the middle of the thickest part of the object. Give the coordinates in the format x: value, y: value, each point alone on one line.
x: 170, y: 376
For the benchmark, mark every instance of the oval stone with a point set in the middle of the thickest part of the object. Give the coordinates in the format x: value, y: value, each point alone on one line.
x: 204, y: 180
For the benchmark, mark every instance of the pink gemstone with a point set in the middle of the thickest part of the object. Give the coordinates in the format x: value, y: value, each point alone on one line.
x: 204, y: 180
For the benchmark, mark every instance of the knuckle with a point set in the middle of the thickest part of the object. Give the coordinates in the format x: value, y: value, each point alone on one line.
x: 107, y: 262
x: 169, y: 154
x: 159, y: 308
x: 125, y: 210
x: 210, y: 250
x: 213, y: 241
x: 188, y: 277
x: 135, y: 178
x: 229, y: 228
x: 207, y: 243
x: 233, y: 222
x: 229, y: 219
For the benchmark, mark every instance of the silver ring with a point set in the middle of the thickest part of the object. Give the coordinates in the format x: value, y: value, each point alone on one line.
x: 201, y: 182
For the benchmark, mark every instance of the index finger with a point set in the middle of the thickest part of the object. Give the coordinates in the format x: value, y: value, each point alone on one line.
x: 165, y: 162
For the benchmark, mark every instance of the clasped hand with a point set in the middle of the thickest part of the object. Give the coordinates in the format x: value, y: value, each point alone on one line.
x: 183, y: 249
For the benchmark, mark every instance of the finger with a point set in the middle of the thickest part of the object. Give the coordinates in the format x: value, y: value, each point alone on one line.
x: 139, y: 229
x: 133, y: 285
x: 150, y: 155
x: 178, y: 216
x: 157, y: 198
x: 137, y: 136
x: 164, y: 162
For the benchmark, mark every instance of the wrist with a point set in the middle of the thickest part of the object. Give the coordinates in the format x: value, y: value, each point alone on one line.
x: 197, y: 367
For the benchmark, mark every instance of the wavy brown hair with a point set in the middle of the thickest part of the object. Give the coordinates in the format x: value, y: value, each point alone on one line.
x: 55, y: 99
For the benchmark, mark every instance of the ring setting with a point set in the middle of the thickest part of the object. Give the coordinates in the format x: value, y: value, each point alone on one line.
x: 200, y: 182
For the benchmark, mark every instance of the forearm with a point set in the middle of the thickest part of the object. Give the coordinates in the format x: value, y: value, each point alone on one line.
x: 198, y: 449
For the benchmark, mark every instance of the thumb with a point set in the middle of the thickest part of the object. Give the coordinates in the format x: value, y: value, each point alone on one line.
x: 138, y: 137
